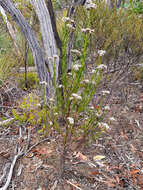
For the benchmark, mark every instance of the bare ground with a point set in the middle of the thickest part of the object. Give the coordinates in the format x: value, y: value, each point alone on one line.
x: 120, y: 168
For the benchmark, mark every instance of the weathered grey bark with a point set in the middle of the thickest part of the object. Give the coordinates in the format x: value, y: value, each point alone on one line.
x: 29, y: 36
x: 47, y: 35
x: 53, y: 22
x: 10, y: 30
x: 56, y: 35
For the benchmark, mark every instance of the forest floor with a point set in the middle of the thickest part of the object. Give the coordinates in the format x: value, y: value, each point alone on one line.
x: 114, y: 161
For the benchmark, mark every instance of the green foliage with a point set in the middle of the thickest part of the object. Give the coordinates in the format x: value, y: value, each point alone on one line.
x: 7, y: 62
x: 70, y: 112
x: 32, y: 80
x: 7, y: 57
x: 114, y: 31
x: 134, y: 6
x: 30, y: 59
x: 30, y: 110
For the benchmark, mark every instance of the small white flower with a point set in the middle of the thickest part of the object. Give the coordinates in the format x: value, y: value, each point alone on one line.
x: 76, y: 67
x: 91, y: 107
x: 69, y: 74
x: 55, y: 113
x: 93, y: 71
x: 104, y: 92
x: 60, y: 86
x: 86, y: 81
x: 90, y: 6
x: 51, y: 100
x: 87, y: 30
x: 83, y: 30
x: 71, y: 120
x: 103, y: 125
x: 112, y: 119
x: 102, y: 66
x: 50, y: 122
x: 70, y: 26
x: 76, y: 96
x: 43, y: 83
x: 101, y: 52
x: 107, y: 108
x: 66, y: 19
x: 76, y: 51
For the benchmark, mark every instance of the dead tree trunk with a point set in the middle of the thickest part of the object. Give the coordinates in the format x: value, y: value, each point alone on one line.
x: 56, y: 35
x: 47, y: 34
x: 29, y: 36
x: 31, y: 40
x: 10, y: 30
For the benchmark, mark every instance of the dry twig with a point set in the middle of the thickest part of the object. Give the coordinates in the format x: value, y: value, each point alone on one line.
x: 17, y: 155
x: 73, y: 185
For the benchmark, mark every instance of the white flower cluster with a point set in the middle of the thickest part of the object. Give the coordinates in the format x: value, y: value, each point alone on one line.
x: 86, y: 81
x: 67, y: 19
x: 107, y: 108
x: 75, y: 51
x: 60, y: 86
x: 70, y: 26
x: 50, y: 122
x: 43, y: 83
x: 75, y: 96
x: 112, y: 119
x: 101, y: 52
x: 90, y: 5
x: 76, y: 67
x: 93, y: 71
x: 87, y: 30
x: 101, y: 67
x: 105, y: 92
x: 70, y: 120
x: 103, y: 125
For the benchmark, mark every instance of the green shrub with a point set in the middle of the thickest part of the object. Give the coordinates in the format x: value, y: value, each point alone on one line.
x: 70, y: 112
x: 115, y: 31
x: 30, y: 59
x: 7, y: 63
x: 32, y: 81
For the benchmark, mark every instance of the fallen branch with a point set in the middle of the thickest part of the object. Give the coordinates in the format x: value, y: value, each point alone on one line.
x: 73, y: 185
x: 4, y: 172
x: 19, y: 153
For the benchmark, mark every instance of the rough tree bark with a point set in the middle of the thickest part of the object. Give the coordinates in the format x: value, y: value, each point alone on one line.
x: 29, y: 36
x: 45, y: 72
x: 10, y: 30
x: 56, y: 35
x: 47, y: 35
